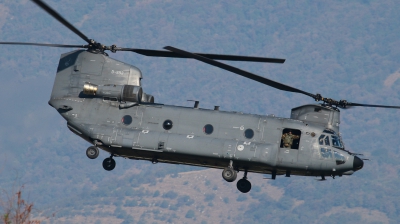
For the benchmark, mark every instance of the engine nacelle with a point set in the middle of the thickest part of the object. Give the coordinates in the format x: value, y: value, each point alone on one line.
x: 127, y: 93
x: 147, y: 98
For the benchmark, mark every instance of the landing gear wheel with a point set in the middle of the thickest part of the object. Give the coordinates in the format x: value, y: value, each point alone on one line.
x: 109, y: 164
x: 229, y: 174
x: 243, y: 185
x: 92, y: 152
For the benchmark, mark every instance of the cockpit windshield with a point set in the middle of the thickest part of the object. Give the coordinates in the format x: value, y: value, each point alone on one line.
x: 336, y: 142
x: 329, y: 131
x: 324, y: 139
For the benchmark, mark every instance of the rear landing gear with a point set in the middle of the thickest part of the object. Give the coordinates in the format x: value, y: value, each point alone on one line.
x: 92, y: 152
x: 109, y: 163
x: 243, y: 185
x: 229, y: 174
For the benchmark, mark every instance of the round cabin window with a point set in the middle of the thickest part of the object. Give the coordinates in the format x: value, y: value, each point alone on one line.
x: 249, y: 133
x: 208, y: 129
x: 126, y: 120
x: 167, y: 125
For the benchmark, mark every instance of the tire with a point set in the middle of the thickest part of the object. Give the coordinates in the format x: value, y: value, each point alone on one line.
x: 229, y: 174
x: 243, y: 185
x: 109, y: 164
x: 92, y: 152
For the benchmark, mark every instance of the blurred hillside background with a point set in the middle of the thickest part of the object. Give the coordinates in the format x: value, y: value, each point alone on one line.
x: 341, y: 49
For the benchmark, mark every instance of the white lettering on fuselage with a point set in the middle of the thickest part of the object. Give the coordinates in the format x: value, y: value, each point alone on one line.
x: 117, y: 72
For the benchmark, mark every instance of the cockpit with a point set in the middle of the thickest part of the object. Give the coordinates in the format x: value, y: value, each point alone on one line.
x: 331, y: 138
x: 327, y: 136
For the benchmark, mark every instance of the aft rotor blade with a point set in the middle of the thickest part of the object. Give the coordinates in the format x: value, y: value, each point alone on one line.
x: 370, y: 105
x: 240, y: 72
x: 45, y: 45
x: 169, y: 54
x: 57, y: 16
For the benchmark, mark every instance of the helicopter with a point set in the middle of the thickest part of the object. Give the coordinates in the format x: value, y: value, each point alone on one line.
x: 103, y: 102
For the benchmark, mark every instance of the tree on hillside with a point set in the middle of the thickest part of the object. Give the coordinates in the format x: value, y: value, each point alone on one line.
x: 16, y: 210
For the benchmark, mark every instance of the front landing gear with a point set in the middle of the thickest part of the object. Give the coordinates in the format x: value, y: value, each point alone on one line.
x: 243, y: 185
x: 92, y: 152
x: 109, y: 163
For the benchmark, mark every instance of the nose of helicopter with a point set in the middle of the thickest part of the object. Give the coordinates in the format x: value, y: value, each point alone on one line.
x: 357, y: 163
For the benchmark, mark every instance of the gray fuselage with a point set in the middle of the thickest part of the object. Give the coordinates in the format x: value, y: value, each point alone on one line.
x: 193, y: 136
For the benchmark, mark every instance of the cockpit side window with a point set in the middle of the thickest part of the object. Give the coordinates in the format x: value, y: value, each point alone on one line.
x: 340, y: 159
x: 321, y: 140
x: 290, y: 138
x: 326, y: 153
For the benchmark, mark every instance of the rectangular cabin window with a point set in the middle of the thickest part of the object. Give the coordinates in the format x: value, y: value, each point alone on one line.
x: 290, y: 138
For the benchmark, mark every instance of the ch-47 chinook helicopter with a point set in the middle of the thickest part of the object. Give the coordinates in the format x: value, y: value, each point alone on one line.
x: 103, y: 102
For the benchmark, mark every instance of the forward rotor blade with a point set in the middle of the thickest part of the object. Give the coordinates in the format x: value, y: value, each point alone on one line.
x: 169, y: 54
x: 45, y: 45
x: 240, y: 72
x: 57, y: 16
x: 370, y: 105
